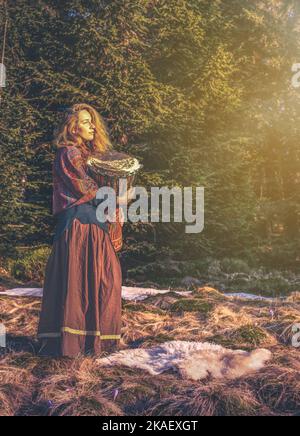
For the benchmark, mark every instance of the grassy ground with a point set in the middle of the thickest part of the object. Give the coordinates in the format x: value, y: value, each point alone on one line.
x: 30, y: 385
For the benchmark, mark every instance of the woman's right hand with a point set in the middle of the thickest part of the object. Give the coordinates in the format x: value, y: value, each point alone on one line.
x: 130, y: 195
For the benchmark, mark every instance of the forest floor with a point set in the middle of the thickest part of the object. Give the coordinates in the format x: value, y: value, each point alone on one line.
x: 32, y: 385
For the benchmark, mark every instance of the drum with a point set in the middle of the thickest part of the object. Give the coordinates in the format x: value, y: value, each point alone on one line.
x: 108, y: 169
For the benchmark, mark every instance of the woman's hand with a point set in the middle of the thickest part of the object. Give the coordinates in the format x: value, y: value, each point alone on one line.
x: 117, y: 216
x: 129, y: 195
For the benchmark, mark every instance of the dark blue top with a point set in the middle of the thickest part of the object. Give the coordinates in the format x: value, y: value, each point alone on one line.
x: 85, y: 213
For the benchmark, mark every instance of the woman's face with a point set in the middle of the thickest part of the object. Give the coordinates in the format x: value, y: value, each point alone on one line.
x: 85, y: 127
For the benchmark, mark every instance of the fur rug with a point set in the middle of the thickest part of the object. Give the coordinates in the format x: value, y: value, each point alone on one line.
x: 128, y: 293
x: 193, y: 360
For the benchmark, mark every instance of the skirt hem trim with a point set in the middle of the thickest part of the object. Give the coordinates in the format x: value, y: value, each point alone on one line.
x: 77, y: 332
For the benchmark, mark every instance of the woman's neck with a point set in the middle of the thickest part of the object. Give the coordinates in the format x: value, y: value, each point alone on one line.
x: 85, y: 148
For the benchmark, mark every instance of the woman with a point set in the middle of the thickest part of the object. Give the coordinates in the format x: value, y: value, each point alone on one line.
x: 81, y: 306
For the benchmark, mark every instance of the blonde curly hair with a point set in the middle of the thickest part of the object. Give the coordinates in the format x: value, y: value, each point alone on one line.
x: 63, y: 133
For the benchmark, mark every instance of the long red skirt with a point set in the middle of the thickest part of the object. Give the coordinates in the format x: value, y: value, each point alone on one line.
x: 81, y: 306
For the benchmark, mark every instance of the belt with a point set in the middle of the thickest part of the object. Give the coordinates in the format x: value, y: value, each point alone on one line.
x: 85, y: 213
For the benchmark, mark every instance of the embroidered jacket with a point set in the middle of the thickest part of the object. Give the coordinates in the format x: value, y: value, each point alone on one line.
x: 72, y: 185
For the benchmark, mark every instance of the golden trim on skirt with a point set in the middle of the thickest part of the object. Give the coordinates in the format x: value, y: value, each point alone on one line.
x: 77, y: 332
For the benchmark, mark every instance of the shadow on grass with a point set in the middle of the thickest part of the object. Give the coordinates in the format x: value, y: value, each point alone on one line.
x: 25, y: 344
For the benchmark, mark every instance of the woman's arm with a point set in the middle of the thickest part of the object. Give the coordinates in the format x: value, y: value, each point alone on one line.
x: 72, y: 171
x: 125, y: 198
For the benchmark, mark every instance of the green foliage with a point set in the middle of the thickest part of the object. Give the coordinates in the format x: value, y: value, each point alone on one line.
x: 198, y: 90
x: 31, y: 265
x: 250, y: 334
x: 246, y: 337
x: 192, y: 305
x: 140, y: 307
x: 229, y: 265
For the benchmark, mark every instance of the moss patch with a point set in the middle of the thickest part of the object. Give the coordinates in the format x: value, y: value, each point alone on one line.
x: 140, y: 307
x: 192, y: 305
x: 245, y: 337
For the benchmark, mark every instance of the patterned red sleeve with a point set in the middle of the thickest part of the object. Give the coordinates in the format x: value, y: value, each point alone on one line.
x: 74, y: 175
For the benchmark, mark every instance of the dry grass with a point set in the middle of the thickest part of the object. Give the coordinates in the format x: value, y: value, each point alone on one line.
x: 30, y: 385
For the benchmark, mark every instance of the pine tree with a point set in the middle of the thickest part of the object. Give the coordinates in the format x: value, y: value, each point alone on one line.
x: 194, y: 88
